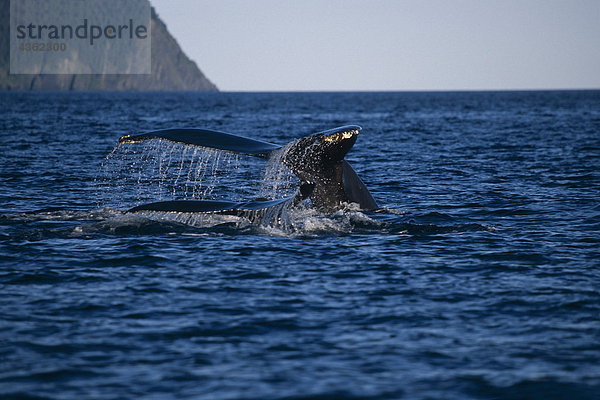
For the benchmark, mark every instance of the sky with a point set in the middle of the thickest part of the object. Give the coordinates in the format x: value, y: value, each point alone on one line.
x: 389, y: 45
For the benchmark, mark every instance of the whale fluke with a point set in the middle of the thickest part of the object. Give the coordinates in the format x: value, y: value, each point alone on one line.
x: 317, y: 160
x: 208, y: 139
x: 209, y: 206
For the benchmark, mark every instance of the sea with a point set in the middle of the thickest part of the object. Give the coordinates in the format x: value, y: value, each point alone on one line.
x: 477, y: 278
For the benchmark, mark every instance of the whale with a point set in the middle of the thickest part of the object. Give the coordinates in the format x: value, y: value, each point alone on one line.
x: 317, y: 160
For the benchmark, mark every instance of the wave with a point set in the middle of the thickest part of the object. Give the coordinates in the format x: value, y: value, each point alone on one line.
x: 303, y: 221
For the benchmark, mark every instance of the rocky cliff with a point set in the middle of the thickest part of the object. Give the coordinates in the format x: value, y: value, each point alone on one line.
x: 171, y: 68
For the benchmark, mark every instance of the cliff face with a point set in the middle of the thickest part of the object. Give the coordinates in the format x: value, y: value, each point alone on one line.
x: 171, y: 68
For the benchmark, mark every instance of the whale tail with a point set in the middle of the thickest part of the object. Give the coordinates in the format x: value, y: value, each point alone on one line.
x: 317, y: 160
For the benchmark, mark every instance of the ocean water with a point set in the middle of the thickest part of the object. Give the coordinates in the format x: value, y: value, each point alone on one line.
x: 479, y: 278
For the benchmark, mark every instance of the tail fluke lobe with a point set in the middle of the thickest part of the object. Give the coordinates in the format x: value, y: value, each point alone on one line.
x: 208, y: 139
x: 224, y: 207
x: 355, y: 189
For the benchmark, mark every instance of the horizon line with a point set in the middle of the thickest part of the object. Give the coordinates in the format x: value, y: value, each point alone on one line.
x: 313, y: 91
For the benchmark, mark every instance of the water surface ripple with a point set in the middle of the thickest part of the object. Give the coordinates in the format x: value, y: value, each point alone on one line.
x: 479, y: 279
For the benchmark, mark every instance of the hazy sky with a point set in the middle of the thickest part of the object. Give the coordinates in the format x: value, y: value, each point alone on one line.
x: 266, y: 45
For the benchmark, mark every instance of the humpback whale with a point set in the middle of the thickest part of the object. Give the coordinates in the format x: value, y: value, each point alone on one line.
x: 317, y: 160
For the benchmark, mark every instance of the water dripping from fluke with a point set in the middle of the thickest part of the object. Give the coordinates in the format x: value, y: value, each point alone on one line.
x: 194, y: 174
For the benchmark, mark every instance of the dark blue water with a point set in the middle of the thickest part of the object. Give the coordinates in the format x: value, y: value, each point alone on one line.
x: 479, y: 279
